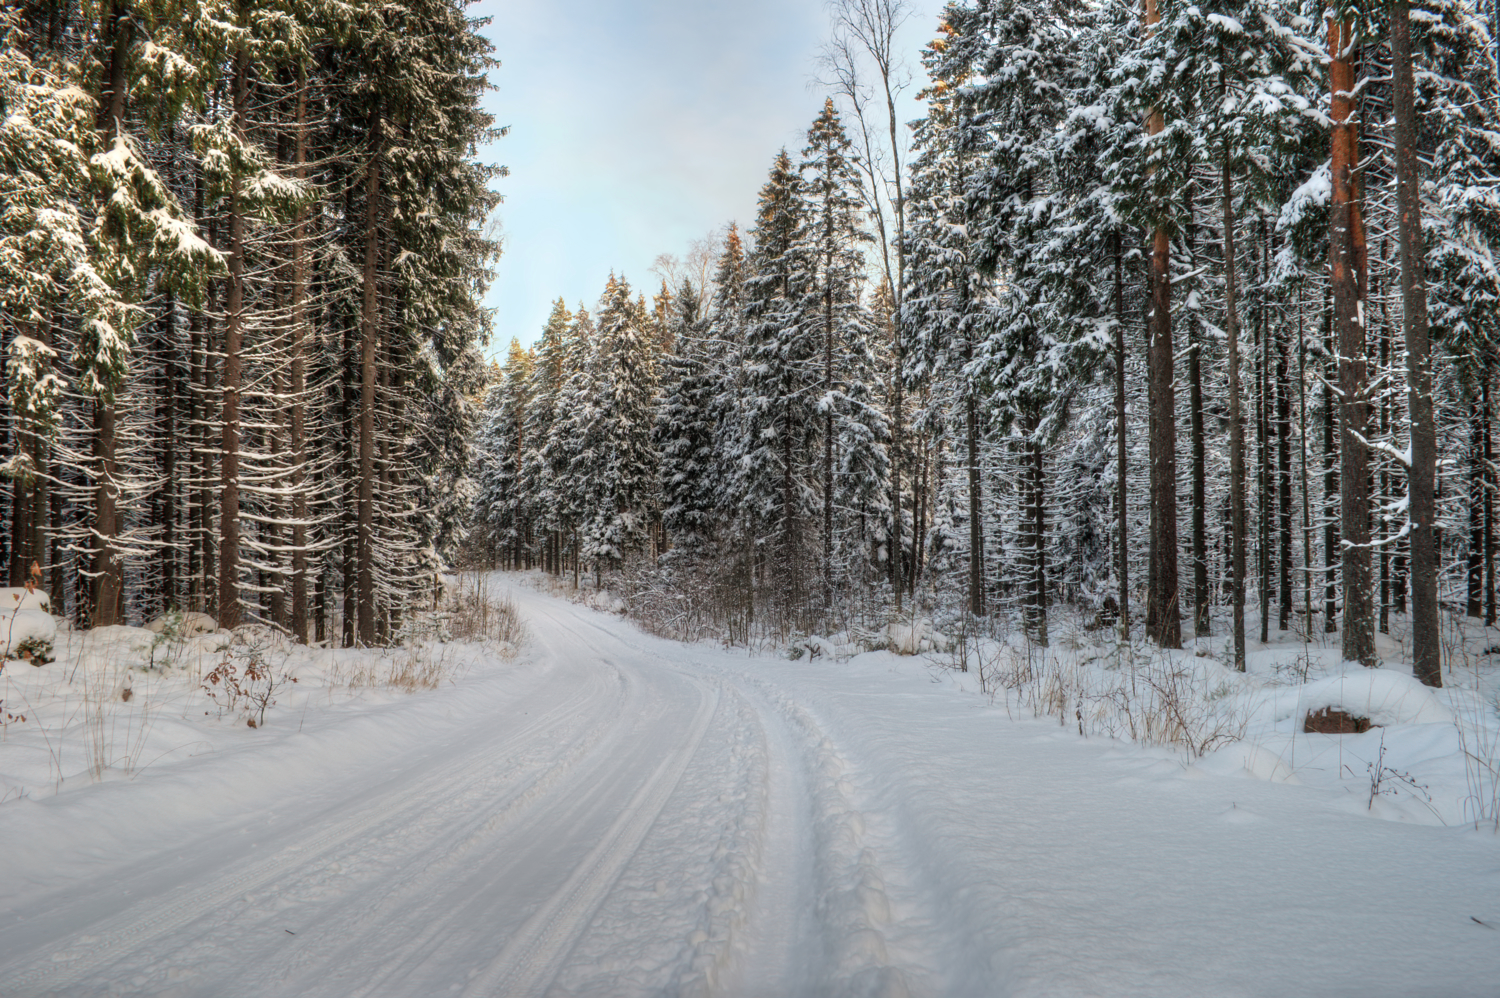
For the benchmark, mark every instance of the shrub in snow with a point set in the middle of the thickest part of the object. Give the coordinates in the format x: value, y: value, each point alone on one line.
x: 811, y: 648
x: 245, y: 683
x: 27, y: 635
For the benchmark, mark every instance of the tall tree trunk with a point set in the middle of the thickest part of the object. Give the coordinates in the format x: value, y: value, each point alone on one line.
x: 348, y: 464
x: 1383, y: 611
x: 1164, y: 609
x: 897, y: 444
x: 1236, y: 426
x: 1426, y: 652
x: 234, y: 326
x: 919, y: 514
x: 20, y: 511
x: 40, y: 491
x: 10, y: 435
x: 1489, y: 496
x: 976, y: 528
x: 828, y: 419
x: 1036, y: 598
x: 109, y: 568
x: 169, y: 461
x: 1263, y: 433
x: 1164, y: 595
x: 20, y: 498
x: 1474, y: 564
x: 1199, y: 469
x: 898, y: 423
x: 1304, y: 446
x: 1284, y: 475
x: 1348, y: 270
x: 299, y: 383
x: 368, y: 344
x: 1121, y: 486
x: 1330, y: 461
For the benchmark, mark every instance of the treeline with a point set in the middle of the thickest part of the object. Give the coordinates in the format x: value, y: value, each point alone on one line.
x: 241, y: 261
x: 1175, y: 307
x: 741, y: 436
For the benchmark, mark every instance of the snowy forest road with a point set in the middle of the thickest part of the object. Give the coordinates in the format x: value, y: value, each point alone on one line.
x: 615, y: 814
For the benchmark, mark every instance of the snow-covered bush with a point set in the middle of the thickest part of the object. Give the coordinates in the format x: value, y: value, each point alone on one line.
x: 27, y: 635
x: 913, y: 637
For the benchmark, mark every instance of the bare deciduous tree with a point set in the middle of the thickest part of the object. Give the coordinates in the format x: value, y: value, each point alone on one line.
x: 862, y: 47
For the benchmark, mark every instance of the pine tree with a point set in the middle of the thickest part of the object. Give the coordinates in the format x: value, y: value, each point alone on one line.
x: 685, y: 428
x: 831, y: 307
x: 780, y: 406
x: 618, y: 464
x: 948, y: 301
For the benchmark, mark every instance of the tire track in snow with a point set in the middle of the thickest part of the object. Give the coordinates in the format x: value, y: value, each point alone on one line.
x: 675, y: 920
x: 854, y: 905
x: 443, y: 895
x: 533, y: 956
x: 168, y: 913
x: 391, y: 902
x: 737, y: 868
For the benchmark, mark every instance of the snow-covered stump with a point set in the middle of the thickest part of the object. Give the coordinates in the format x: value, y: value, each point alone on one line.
x: 1358, y: 699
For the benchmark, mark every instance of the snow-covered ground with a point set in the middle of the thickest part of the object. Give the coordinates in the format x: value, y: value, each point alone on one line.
x: 611, y: 814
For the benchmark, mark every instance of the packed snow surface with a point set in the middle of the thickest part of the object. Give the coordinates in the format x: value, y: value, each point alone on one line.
x: 612, y: 814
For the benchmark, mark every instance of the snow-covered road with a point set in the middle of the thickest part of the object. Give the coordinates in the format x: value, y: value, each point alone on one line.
x: 619, y: 815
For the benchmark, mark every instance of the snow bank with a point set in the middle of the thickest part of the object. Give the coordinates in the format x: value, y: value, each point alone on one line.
x: 117, y: 641
x: 187, y: 624
x: 21, y: 598
x: 1385, y: 697
x: 1244, y: 759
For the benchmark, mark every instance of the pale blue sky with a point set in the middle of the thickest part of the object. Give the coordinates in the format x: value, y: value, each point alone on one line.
x: 637, y: 128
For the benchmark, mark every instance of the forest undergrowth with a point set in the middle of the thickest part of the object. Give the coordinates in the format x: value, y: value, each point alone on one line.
x: 117, y: 700
x: 1430, y: 755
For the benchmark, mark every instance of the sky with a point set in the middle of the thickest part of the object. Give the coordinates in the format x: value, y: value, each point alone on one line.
x: 639, y: 127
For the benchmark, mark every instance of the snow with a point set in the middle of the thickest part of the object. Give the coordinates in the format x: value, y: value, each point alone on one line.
x: 608, y: 813
x: 1314, y: 193
x: 21, y: 598
x: 1244, y: 759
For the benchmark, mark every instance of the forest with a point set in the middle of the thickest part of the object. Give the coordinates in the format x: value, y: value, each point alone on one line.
x: 243, y: 249
x: 1175, y: 317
